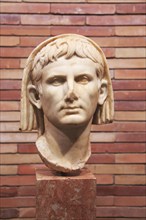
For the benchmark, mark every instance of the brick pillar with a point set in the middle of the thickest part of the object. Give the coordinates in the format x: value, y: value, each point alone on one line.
x: 65, y: 197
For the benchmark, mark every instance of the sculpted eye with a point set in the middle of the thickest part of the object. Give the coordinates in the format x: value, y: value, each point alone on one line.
x: 83, y: 79
x: 56, y: 81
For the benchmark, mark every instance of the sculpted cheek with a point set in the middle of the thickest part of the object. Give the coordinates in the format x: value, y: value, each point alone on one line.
x: 93, y: 92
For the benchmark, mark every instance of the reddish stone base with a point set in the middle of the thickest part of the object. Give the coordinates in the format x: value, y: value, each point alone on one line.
x: 65, y: 197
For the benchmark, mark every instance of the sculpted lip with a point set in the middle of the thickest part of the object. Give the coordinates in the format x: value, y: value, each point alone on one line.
x: 72, y: 110
x: 69, y: 107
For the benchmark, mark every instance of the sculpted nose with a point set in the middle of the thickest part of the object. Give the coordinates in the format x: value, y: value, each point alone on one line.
x: 70, y: 97
x: 71, y: 94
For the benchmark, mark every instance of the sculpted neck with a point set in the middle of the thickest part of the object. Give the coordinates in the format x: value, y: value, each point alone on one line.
x: 64, y: 149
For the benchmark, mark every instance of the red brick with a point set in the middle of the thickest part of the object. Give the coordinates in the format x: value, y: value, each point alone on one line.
x: 116, y: 169
x: 122, y: 169
x: 129, y: 84
x: 10, y: 127
x: 8, y: 169
x: 9, y: 213
x: 119, y: 147
x: 116, y: 20
x: 82, y: 9
x: 27, y: 190
x: 104, y: 201
x: 120, y: 190
x: 99, y: 137
x: 120, y: 41
x: 27, y: 212
x: 17, y: 180
x: 24, y: 8
x: 83, y: 30
x: 130, y: 31
x: 120, y: 126
x: 130, y: 95
x: 7, y: 106
x: 130, y: 137
x: 25, y: 30
x: 20, y: 158
x: 9, y: 41
x: 104, y: 179
x: 8, y: 191
x: 130, y: 158
x: 11, y: 74
x: 130, y: 52
x: 120, y: 212
x: 129, y: 201
x: 130, y: 74
x: 130, y: 8
x: 21, y: 138
x: 27, y: 148
x: 131, y: 126
x: 129, y: 106
x: 31, y: 41
x: 10, y: 95
x: 10, y: 84
x: 109, y: 52
x: 130, y: 180
x: 52, y: 20
x: 101, y: 158
x: 17, y: 202
x: 28, y: 169
x: 10, y: 63
x: 15, y: 52
x: 130, y: 116
x: 10, y: 116
x: 8, y: 148
x: 9, y: 19
x: 126, y: 63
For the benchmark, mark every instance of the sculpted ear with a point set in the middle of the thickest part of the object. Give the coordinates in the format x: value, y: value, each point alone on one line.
x: 34, y: 96
x: 102, y: 92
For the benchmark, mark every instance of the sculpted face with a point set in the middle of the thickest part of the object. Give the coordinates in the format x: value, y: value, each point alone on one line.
x: 69, y: 91
x: 66, y: 87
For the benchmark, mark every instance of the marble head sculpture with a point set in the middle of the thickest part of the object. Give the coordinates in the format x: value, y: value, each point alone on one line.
x: 66, y: 87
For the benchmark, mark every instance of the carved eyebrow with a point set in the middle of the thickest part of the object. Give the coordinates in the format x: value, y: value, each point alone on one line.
x: 56, y: 80
x: 52, y: 75
x: 56, y: 75
x: 89, y: 76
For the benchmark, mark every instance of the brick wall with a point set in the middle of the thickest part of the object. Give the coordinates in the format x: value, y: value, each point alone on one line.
x: 118, y: 150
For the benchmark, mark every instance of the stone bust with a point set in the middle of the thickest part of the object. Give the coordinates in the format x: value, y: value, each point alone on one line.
x: 66, y: 87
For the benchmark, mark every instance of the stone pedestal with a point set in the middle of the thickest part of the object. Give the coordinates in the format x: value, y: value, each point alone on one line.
x: 65, y: 197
